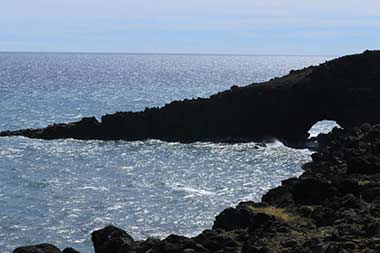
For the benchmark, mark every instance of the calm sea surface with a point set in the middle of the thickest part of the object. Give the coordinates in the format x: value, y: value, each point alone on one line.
x: 59, y: 191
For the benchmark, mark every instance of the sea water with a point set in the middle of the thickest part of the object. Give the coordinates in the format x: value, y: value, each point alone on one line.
x: 59, y: 191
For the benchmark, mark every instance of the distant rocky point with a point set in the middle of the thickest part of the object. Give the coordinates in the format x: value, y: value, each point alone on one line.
x: 346, y: 90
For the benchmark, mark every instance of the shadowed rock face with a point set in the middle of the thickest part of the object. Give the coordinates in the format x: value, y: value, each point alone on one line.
x: 346, y: 90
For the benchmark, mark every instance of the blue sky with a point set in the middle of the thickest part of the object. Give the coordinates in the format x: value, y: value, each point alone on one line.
x: 194, y: 26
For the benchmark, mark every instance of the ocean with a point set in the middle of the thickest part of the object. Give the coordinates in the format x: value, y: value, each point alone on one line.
x: 59, y: 191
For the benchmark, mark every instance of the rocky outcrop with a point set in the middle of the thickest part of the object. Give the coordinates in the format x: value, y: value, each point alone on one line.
x: 334, y: 206
x: 43, y: 248
x: 346, y: 90
x: 111, y: 239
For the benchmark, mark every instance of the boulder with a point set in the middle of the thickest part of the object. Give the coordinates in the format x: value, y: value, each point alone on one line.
x: 111, y: 239
x: 40, y: 248
x: 234, y: 218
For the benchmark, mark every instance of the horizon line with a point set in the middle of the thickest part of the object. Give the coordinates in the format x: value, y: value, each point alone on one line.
x: 163, y: 53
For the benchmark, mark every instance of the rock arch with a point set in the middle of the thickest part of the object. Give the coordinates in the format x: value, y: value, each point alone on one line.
x: 346, y: 90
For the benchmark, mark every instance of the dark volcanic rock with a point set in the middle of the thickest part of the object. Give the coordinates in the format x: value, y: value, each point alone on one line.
x: 313, y: 191
x: 280, y: 196
x: 346, y: 90
x: 41, y: 248
x: 111, y: 239
x: 369, y: 164
x: 70, y: 250
x: 233, y: 218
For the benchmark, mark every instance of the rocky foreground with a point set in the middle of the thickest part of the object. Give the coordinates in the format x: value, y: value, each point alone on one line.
x: 334, y: 206
x: 346, y: 90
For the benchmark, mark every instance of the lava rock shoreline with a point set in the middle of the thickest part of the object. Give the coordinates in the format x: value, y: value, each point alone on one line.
x: 345, y: 90
x: 334, y: 206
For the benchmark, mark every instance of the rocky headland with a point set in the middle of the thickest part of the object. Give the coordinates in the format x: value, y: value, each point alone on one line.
x: 334, y: 206
x: 345, y: 90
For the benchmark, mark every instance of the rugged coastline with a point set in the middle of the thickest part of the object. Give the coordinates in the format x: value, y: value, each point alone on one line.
x: 345, y: 90
x: 334, y: 206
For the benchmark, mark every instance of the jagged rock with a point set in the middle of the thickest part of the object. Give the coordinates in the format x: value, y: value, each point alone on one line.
x: 243, y: 216
x: 233, y: 218
x: 110, y: 239
x: 280, y: 196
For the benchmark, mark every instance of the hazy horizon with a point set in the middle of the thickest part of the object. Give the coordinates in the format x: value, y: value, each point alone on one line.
x: 163, y: 53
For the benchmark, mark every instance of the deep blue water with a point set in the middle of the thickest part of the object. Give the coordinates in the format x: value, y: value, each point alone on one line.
x: 59, y: 191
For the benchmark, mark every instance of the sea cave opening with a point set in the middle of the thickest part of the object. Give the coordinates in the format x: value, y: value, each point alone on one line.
x: 322, y: 126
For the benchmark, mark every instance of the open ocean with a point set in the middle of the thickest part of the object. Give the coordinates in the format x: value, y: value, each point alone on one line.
x: 59, y: 191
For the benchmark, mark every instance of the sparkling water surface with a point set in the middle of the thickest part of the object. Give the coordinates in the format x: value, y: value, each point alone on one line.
x: 59, y: 191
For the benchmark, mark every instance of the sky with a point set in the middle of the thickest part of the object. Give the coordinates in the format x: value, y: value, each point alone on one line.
x: 322, y: 27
